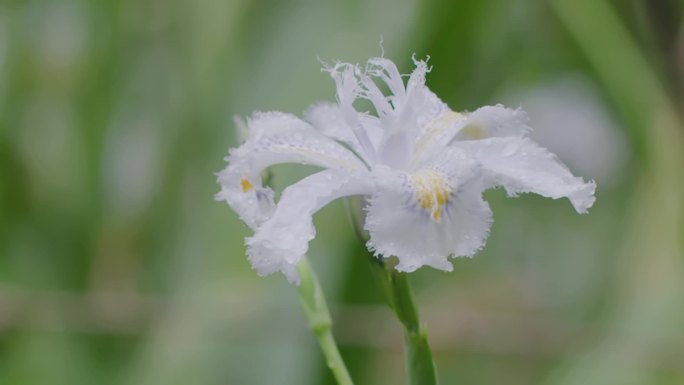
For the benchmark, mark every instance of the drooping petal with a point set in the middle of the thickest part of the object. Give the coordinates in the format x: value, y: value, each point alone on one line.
x: 425, y: 217
x: 281, y: 241
x: 522, y: 166
x: 275, y: 138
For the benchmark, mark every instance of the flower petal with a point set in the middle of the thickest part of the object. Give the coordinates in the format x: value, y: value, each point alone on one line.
x: 522, y: 166
x: 348, y: 90
x: 413, y: 108
x: 413, y: 105
x: 493, y: 121
x: 485, y: 122
x: 275, y: 138
x: 400, y: 225
x: 253, y: 202
x: 328, y: 119
x: 281, y: 241
x: 387, y: 72
x: 435, y: 136
x: 425, y: 105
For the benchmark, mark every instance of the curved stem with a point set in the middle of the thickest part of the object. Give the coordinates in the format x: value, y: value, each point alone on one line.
x: 420, y: 366
x: 316, y: 311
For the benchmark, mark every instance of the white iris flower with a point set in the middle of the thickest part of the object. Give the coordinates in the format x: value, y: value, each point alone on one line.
x: 422, y: 167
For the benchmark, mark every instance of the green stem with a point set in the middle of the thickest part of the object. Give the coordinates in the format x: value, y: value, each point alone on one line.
x: 316, y: 311
x: 420, y: 366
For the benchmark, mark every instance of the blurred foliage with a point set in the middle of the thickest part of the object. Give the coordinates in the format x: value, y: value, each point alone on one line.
x: 117, y: 267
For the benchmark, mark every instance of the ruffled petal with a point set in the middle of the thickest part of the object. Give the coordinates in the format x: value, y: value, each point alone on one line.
x: 387, y: 71
x: 412, y: 107
x: 275, y: 138
x: 522, y: 166
x: 421, y: 102
x: 403, y: 114
x: 348, y: 87
x: 403, y: 220
x: 281, y: 241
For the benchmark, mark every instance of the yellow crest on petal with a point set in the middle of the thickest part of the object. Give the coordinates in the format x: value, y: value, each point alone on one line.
x: 246, y: 185
x: 474, y: 131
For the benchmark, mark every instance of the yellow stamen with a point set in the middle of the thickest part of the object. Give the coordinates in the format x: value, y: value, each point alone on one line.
x: 431, y: 190
x: 246, y: 185
x: 437, y: 215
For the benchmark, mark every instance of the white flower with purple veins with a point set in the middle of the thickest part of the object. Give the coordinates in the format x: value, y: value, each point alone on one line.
x: 421, y: 166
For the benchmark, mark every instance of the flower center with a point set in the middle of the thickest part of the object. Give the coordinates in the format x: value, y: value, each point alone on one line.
x: 431, y: 190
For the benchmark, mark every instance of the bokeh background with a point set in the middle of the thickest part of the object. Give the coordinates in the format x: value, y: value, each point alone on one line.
x: 118, y: 267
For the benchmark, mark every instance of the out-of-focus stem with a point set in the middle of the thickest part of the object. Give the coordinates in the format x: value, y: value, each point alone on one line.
x: 320, y: 322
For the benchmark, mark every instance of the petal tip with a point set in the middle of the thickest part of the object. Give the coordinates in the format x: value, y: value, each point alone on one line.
x: 583, y: 199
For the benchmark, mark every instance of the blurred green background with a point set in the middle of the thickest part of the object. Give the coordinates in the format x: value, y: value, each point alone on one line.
x: 118, y: 267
